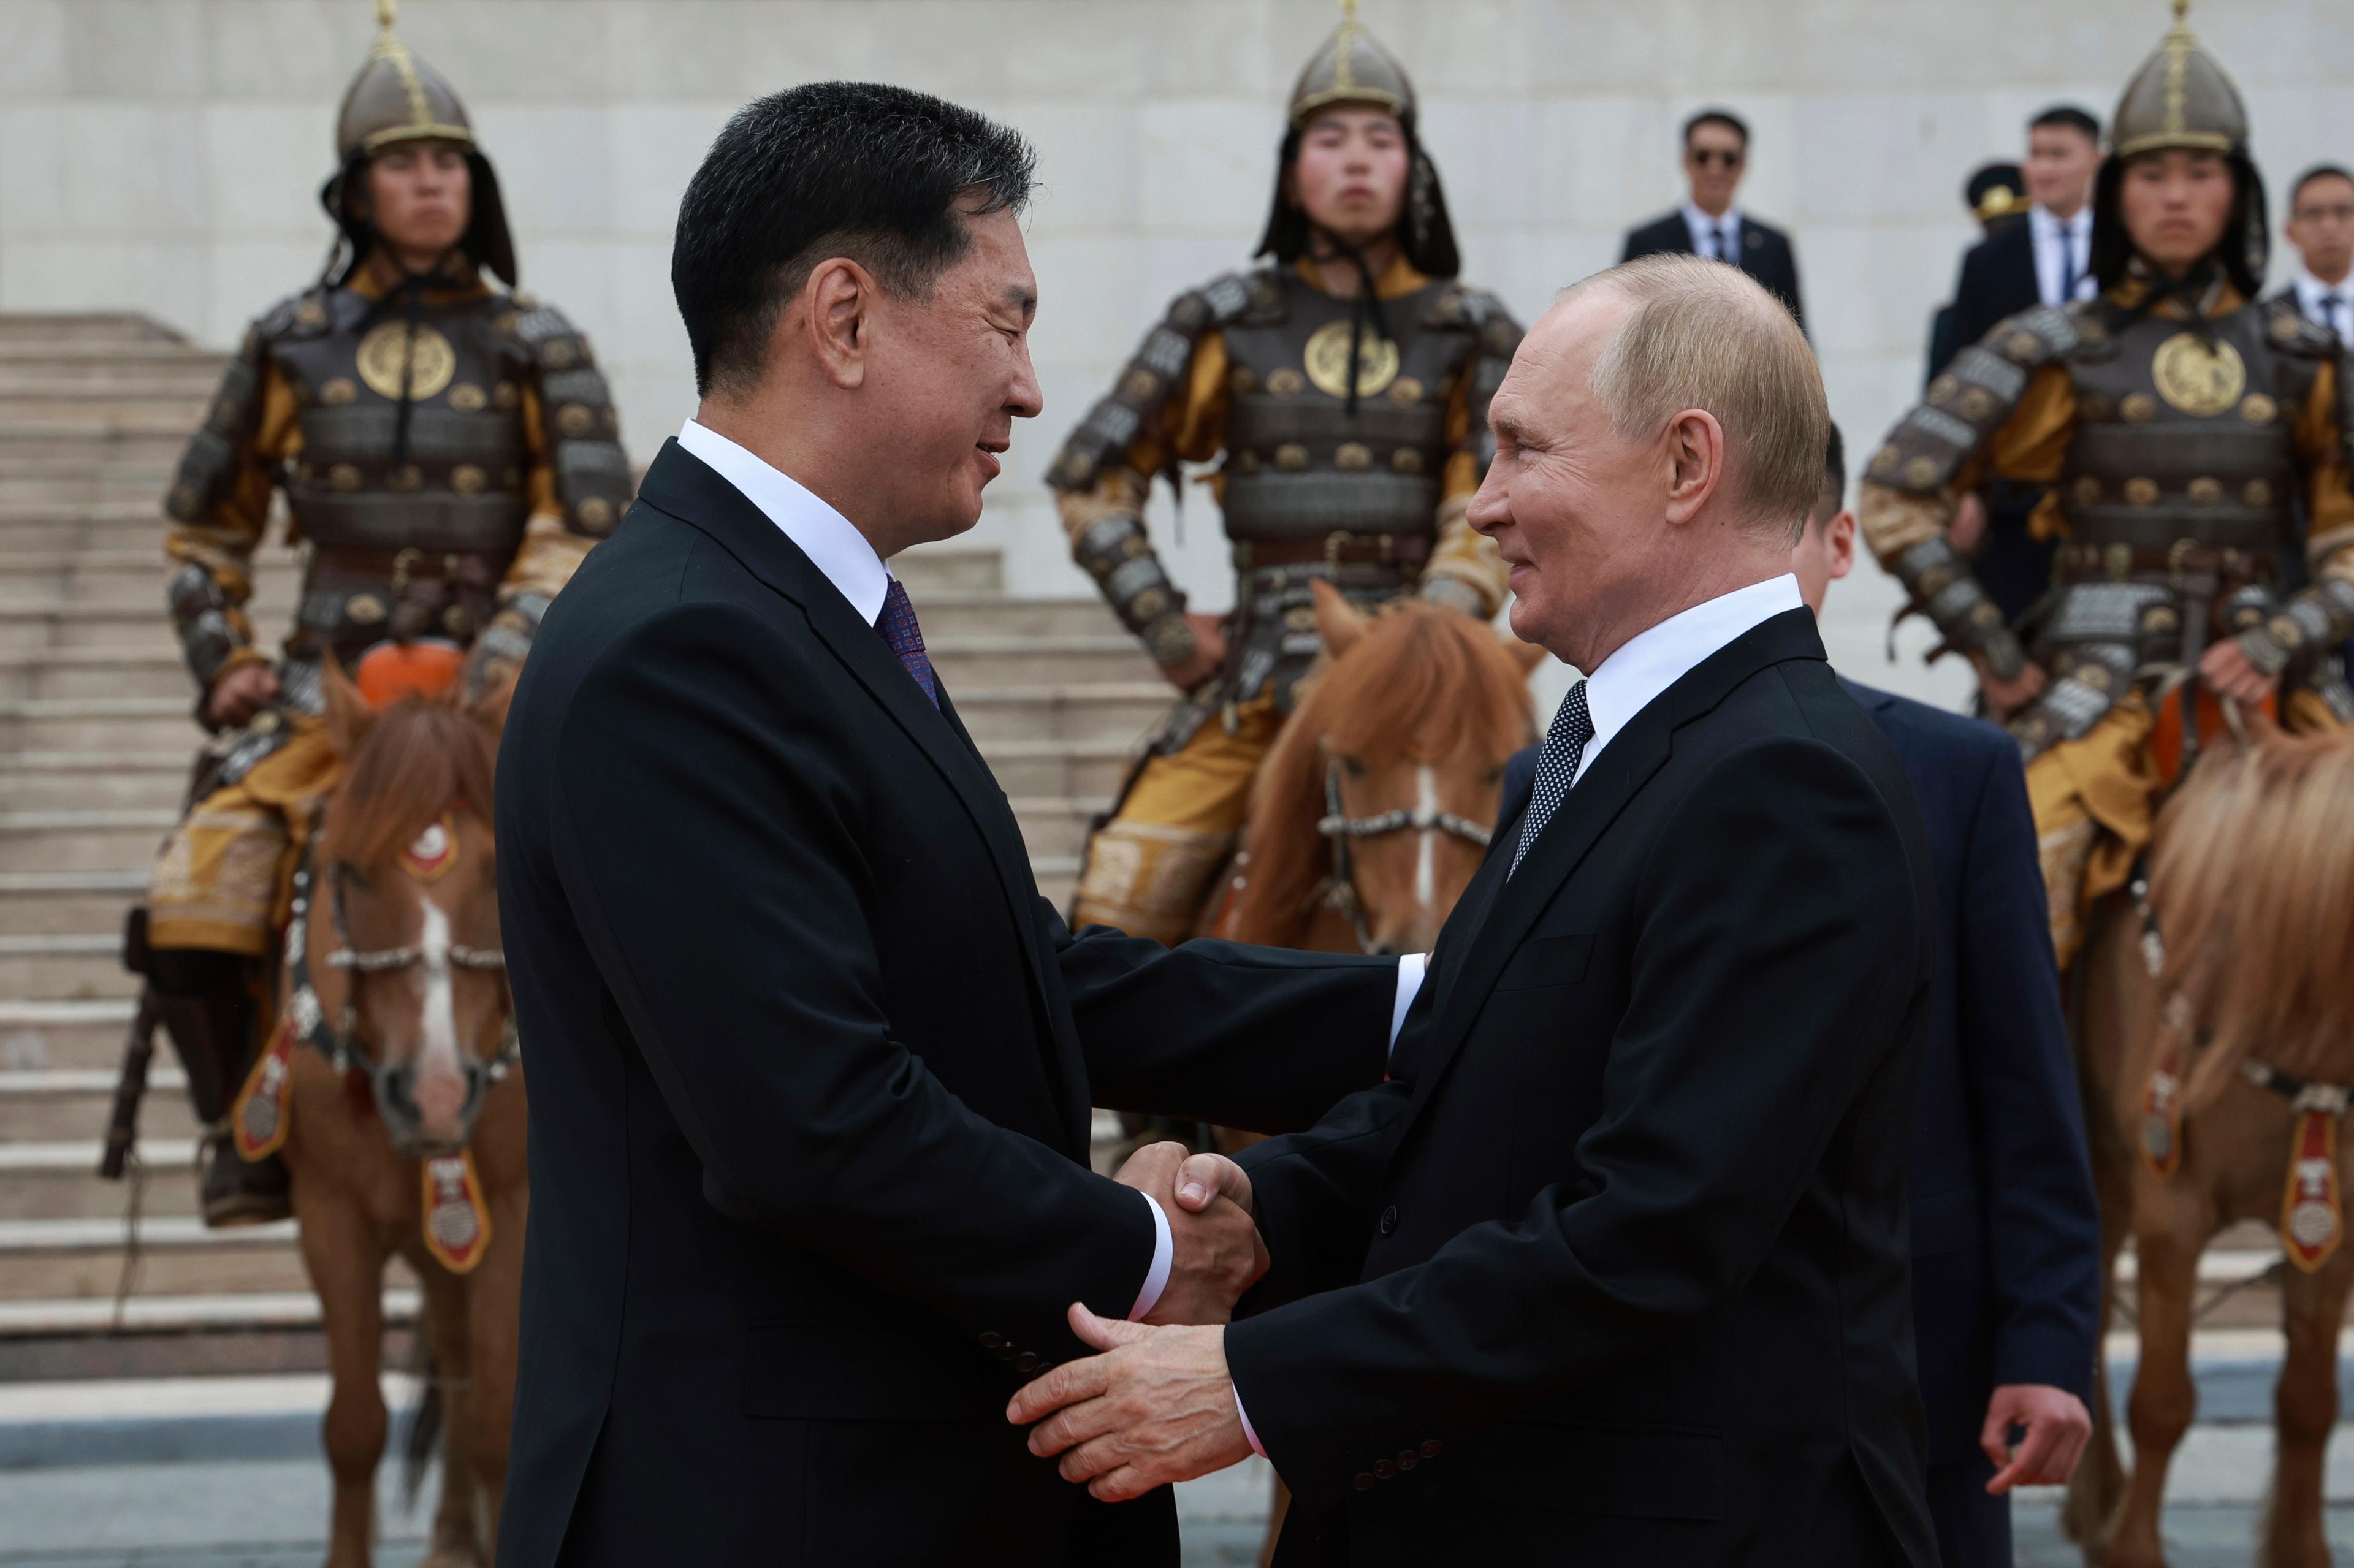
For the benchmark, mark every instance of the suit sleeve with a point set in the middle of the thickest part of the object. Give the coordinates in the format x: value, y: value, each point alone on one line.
x: 708, y: 834
x: 1790, y: 262
x: 2044, y: 1226
x: 1739, y: 1054
x: 1258, y: 1038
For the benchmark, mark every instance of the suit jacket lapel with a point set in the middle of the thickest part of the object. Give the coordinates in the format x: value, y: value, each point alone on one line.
x: 1593, y: 804
x: 684, y: 487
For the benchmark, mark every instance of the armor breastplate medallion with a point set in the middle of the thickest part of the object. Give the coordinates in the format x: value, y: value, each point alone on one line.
x: 459, y: 487
x: 1299, y: 465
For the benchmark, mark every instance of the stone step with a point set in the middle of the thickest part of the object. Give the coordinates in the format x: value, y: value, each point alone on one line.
x: 175, y: 1337
x: 83, y: 1259
x: 81, y: 840
x: 58, y: 789
x: 34, y: 331
x: 52, y: 490
x: 95, y: 405
x: 57, y: 1105
x: 70, y: 1037
x: 150, y: 444
x: 59, y: 1180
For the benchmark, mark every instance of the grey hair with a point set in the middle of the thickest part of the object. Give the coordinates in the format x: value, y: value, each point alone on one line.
x: 1705, y: 336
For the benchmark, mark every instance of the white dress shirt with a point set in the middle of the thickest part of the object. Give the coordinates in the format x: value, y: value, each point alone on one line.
x: 1648, y: 662
x: 1704, y: 229
x: 2054, y: 237
x: 2310, y: 293
x: 848, y: 560
x: 1629, y: 681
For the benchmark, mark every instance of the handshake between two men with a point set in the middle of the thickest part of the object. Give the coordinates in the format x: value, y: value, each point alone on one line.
x: 1157, y: 1405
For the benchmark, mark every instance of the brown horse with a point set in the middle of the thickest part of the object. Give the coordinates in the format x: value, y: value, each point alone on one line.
x: 1373, y: 808
x: 2198, y: 1078
x: 400, y: 1104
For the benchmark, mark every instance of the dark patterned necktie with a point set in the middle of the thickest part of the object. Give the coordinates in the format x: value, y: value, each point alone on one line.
x: 1725, y: 244
x: 2329, y: 305
x: 2067, y: 265
x: 1565, y: 743
x: 905, y: 640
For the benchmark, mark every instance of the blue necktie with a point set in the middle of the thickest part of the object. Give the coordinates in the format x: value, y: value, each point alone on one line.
x: 2067, y: 265
x: 905, y: 640
x: 1565, y: 744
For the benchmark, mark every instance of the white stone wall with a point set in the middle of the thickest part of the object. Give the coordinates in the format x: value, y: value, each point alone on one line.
x: 165, y: 155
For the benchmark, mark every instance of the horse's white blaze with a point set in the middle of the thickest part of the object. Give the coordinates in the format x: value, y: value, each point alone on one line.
x: 437, y: 1063
x: 1425, y: 866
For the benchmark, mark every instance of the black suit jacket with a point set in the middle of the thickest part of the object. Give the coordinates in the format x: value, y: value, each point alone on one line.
x: 1998, y: 282
x: 1764, y: 250
x: 810, y: 1066
x: 2006, y: 1234
x: 1629, y: 1218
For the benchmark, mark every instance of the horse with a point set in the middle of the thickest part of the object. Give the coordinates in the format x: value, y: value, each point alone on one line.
x: 392, y: 1087
x: 2216, y: 1030
x: 1375, y: 805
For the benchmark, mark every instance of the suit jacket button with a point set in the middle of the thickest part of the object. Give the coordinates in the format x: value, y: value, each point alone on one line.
x: 1025, y: 1362
x: 1389, y: 1219
x: 1006, y: 1353
x: 1363, y: 1483
x: 992, y: 1341
x: 1408, y: 1460
x: 1383, y: 1469
x: 1430, y: 1451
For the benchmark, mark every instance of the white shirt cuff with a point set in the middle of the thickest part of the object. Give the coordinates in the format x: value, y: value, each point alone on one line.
x: 1244, y: 1416
x: 1409, y: 985
x: 1164, y: 1253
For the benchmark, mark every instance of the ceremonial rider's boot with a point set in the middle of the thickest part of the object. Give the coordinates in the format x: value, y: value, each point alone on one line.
x: 207, y: 1008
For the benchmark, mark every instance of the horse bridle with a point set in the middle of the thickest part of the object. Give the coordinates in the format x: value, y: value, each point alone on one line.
x: 1338, y: 892
x: 340, y: 1041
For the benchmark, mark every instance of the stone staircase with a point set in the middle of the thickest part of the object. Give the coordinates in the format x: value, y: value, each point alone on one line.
x: 96, y: 740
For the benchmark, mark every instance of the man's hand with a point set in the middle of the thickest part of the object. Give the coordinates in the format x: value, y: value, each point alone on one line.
x: 1160, y: 1407
x: 2004, y: 698
x: 2057, y: 1427
x: 240, y: 693
x: 1209, y: 653
x: 2228, y: 672
x: 1966, y: 533
x: 1218, y: 1254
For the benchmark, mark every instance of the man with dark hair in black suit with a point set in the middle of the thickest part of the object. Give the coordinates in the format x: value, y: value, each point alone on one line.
x: 811, y: 1059
x: 2321, y: 225
x: 1995, y: 195
x: 2006, y: 1234
x: 2045, y: 260
x: 1710, y: 223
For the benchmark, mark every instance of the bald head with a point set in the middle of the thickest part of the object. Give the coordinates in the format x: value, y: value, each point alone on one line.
x: 1659, y: 442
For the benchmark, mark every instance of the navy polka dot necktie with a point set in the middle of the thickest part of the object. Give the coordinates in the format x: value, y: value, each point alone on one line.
x: 1565, y: 743
x: 905, y: 639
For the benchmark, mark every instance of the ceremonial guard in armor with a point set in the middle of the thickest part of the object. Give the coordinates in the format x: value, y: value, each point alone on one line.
x: 1346, y: 385
x: 2178, y: 422
x: 448, y: 451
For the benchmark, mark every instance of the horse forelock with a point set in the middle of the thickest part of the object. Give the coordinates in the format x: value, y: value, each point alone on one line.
x: 2252, y: 878
x: 1424, y: 684
x: 419, y: 759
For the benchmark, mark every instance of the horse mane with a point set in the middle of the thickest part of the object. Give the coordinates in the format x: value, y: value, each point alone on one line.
x: 418, y: 759
x: 2252, y: 877
x: 1422, y: 684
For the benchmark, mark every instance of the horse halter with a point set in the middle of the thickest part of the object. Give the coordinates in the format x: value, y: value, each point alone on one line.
x: 340, y: 1041
x: 1338, y: 892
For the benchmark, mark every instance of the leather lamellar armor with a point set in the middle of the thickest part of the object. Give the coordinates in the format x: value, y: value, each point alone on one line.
x: 413, y: 513
x: 2178, y: 491
x: 1309, y: 488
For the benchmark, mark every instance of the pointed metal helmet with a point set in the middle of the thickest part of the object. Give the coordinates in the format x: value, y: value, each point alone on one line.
x: 397, y: 98
x: 1352, y: 68
x: 2181, y: 97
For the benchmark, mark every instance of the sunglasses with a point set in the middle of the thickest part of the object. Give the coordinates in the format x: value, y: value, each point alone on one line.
x: 1704, y: 157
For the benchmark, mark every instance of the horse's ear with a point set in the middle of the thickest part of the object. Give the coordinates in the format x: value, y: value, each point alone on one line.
x: 1338, y: 622
x: 1528, y: 655
x: 349, y: 718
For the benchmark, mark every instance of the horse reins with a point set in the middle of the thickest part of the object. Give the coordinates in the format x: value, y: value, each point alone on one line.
x: 1338, y: 892
x: 340, y: 1041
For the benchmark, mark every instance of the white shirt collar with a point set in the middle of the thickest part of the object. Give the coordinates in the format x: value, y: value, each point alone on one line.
x: 1703, y: 227
x: 824, y: 535
x: 1648, y: 662
x: 2047, y: 222
x: 2310, y: 290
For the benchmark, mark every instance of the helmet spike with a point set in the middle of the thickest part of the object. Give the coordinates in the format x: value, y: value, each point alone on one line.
x: 385, y: 12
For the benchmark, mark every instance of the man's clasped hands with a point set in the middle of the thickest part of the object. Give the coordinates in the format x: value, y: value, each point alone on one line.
x: 1159, y: 1405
